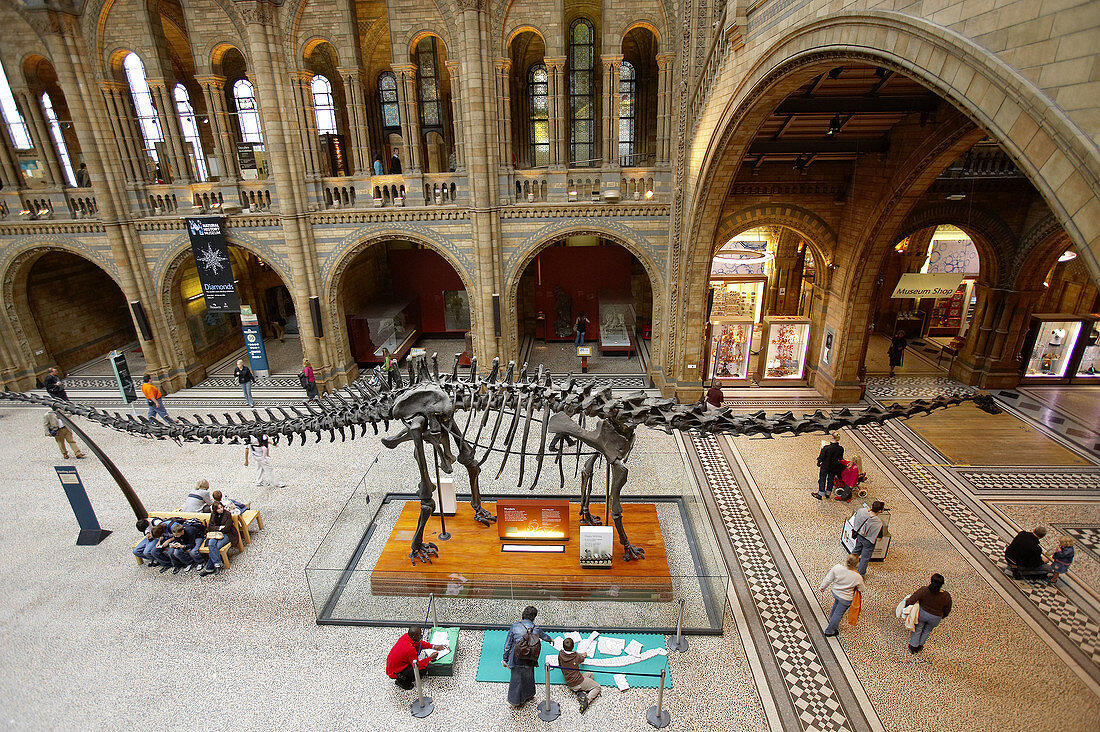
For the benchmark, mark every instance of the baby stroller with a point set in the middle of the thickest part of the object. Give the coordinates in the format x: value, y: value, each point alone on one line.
x: 849, y: 480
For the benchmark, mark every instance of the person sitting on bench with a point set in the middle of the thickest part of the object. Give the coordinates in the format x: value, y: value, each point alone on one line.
x: 232, y: 505
x: 1025, y: 555
x: 198, y: 500
x: 184, y: 547
x: 579, y: 682
x: 407, y: 651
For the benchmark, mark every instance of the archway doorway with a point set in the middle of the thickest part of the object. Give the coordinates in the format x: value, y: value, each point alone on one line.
x: 401, y: 296
x: 595, y: 277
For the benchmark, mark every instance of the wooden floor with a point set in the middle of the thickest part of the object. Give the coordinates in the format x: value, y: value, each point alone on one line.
x: 1080, y: 401
x: 966, y: 435
x: 471, y: 563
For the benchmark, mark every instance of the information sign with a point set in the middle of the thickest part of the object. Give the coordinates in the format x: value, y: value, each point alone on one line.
x: 533, y: 518
x: 123, y: 377
x: 212, y: 262
x: 253, y: 341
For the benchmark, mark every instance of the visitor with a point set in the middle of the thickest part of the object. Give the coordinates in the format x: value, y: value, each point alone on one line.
x: 163, y: 549
x: 867, y: 528
x: 308, y: 380
x: 395, y: 164
x: 581, y: 683
x: 259, y: 453
x: 278, y: 325
x: 715, y: 397
x: 232, y: 505
x: 244, y: 377
x: 220, y: 530
x: 1025, y: 555
x: 153, y: 397
x: 152, y: 552
x: 199, y: 499
x: 145, y: 528
x: 391, y: 368
x: 845, y: 580
x: 850, y: 476
x: 183, y: 548
x: 521, y: 656
x: 828, y: 465
x: 52, y: 382
x: 378, y: 166
x: 935, y: 604
x: 897, y: 348
x: 61, y: 434
x: 405, y: 652
x: 1061, y: 559
x: 579, y: 328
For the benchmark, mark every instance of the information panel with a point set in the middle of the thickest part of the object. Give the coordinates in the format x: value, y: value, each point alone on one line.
x: 212, y: 261
x: 533, y: 518
x: 253, y: 341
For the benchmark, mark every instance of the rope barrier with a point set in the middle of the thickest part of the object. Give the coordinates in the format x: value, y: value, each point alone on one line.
x: 602, y: 670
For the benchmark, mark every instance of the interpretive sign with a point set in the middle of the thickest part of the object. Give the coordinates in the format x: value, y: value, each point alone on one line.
x: 90, y: 531
x: 927, y: 285
x: 253, y: 341
x: 212, y: 261
x: 533, y: 518
x: 122, y: 376
x: 597, y: 544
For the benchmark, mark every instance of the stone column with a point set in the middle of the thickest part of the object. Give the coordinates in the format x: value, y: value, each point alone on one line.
x: 29, y: 104
x: 165, y: 101
x: 358, y: 129
x: 456, y: 116
x: 126, y: 133
x: 504, y: 113
x: 610, y: 117
x: 307, y: 122
x: 664, y: 107
x: 213, y: 89
x: 410, y: 117
x: 10, y: 175
x: 559, y: 125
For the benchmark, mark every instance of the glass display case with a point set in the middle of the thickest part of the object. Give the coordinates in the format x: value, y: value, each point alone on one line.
x: 785, y: 356
x: 617, y: 322
x: 741, y: 298
x: 1052, y: 338
x: 949, y: 315
x: 391, y: 325
x: 730, y: 348
x: 1088, y: 368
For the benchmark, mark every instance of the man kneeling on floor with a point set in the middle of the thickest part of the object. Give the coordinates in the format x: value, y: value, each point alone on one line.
x: 407, y: 651
x: 581, y: 683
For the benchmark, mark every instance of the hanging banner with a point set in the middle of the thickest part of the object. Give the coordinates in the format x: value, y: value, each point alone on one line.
x: 122, y: 376
x: 212, y: 260
x: 927, y: 285
x: 253, y: 341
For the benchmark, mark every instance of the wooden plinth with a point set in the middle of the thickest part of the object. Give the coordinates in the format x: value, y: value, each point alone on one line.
x: 471, y: 563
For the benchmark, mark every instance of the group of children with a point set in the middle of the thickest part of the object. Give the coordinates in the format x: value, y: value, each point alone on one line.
x: 176, y: 543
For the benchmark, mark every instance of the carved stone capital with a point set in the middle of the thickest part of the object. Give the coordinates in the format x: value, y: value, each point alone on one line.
x: 211, y: 81
x: 554, y: 64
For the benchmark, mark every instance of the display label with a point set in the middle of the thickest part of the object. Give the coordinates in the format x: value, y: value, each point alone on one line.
x: 214, y: 267
x: 597, y: 544
x: 253, y: 341
x: 927, y: 285
x: 533, y: 518
x: 122, y: 376
x: 584, y: 350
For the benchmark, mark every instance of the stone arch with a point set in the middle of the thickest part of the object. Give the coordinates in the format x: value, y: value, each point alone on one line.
x: 818, y: 235
x: 992, y: 237
x: 1038, y: 251
x: 649, y: 24
x: 310, y: 44
x: 414, y: 37
x: 521, y: 29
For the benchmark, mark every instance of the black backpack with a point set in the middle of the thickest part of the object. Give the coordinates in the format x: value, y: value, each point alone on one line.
x: 303, y: 380
x: 529, y: 647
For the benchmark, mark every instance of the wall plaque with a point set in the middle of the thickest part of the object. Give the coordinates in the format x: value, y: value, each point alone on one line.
x: 533, y: 518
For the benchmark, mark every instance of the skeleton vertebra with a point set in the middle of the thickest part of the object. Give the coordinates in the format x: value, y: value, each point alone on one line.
x: 427, y: 405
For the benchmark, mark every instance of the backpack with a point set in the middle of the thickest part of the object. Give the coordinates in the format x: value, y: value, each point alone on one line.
x: 529, y: 647
x: 303, y: 380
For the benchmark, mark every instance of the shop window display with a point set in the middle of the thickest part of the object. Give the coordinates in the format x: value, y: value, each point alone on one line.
x: 737, y: 299
x: 1089, y: 367
x: 730, y: 347
x: 788, y: 337
x: 1053, y: 347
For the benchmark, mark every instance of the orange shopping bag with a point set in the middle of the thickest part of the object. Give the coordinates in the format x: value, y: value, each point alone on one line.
x: 853, y: 610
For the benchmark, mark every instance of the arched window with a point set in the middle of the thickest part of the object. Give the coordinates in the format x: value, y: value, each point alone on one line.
x: 323, y: 104
x: 17, y: 128
x: 427, y: 84
x: 387, y: 99
x: 143, y: 104
x: 539, y: 115
x: 248, y: 118
x: 58, y: 138
x: 190, y: 129
x: 628, y: 81
x: 582, y: 110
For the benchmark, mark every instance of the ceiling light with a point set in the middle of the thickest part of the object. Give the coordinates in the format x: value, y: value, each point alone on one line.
x: 800, y: 163
x: 745, y: 256
x: 834, y: 126
x: 1067, y: 256
x: 649, y: 194
x: 956, y: 196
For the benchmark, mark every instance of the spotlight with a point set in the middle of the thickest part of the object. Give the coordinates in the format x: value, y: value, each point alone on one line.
x: 956, y: 196
x: 800, y: 163
x: 1067, y: 256
x: 649, y: 194
x: 835, y: 73
x: 834, y: 126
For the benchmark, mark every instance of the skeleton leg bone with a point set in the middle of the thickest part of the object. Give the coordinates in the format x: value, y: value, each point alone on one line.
x: 618, y: 480
x: 587, y: 472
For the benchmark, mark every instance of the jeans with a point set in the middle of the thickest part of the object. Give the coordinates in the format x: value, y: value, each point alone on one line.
x: 926, y: 622
x: 215, y: 545
x: 837, y: 614
x: 184, y: 557
x: 139, y: 550
x: 580, y: 338
x: 864, y: 547
x: 823, y: 480
x: 156, y: 556
x: 246, y: 387
x: 157, y: 408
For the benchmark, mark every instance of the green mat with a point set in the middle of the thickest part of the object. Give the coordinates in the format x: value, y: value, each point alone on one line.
x: 492, y: 651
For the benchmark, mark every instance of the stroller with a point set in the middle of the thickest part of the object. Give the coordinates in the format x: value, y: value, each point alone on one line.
x: 849, y: 480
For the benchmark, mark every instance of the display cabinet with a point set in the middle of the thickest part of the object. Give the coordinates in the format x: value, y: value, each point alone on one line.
x: 737, y: 298
x: 949, y: 315
x: 1050, y: 347
x: 617, y: 321
x: 1088, y: 367
x: 787, y: 337
x: 730, y: 348
x: 393, y: 325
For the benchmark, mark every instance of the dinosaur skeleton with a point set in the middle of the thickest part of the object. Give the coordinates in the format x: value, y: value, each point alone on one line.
x: 426, y: 408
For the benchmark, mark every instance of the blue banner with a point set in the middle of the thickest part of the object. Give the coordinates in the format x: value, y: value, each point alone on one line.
x: 90, y: 531
x: 254, y: 342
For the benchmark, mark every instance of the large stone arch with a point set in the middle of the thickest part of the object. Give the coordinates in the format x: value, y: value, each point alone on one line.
x: 992, y: 237
x: 819, y: 236
x: 1038, y: 251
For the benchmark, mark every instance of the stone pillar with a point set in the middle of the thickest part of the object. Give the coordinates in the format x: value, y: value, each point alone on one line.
x: 307, y: 123
x: 504, y: 114
x: 40, y: 135
x: 358, y: 129
x: 610, y: 117
x: 10, y: 175
x: 787, y: 274
x: 559, y: 125
x: 991, y: 356
x: 410, y: 117
x: 664, y: 107
x: 221, y: 129
x: 126, y: 134
x: 456, y: 116
x: 165, y: 101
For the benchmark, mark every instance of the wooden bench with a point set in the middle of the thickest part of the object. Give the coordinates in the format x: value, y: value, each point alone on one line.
x: 242, y: 521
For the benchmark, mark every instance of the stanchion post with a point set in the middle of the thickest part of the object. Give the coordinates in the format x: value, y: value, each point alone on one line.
x: 549, y: 710
x: 679, y: 642
x: 423, y: 705
x: 657, y: 716
x: 431, y: 604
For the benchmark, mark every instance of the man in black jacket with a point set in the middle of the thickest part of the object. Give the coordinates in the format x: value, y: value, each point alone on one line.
x: 828, y: 465
x: 1025, y: 555
x: 53, y: 385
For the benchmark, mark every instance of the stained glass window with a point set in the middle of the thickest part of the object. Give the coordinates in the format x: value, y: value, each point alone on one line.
x: 248, y: 118
x: 387, y: 98
x: 627, y: 96
x: 58, y: 138
x: 17, y: 128
x: 582, y: 138
x: 539, y: 115
x: 190, y: 128
x: 323, y: 105
x: 427, y: 84
x: 146, y: 113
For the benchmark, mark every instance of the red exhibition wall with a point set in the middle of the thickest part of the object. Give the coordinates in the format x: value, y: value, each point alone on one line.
x: 583, y: 272
x: 424, y: 274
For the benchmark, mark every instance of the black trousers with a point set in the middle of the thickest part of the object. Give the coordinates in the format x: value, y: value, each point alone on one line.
x: 405, y: 678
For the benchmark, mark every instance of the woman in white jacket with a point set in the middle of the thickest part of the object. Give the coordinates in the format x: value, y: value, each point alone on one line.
x: 259, y: 454
x: 845, y: 581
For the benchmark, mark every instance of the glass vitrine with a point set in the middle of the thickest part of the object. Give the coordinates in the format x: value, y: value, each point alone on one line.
x: 787, y: 339
x: 730, y: 348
